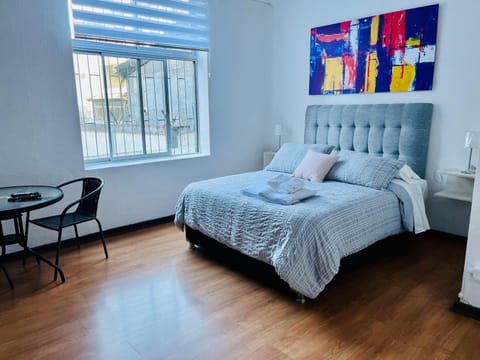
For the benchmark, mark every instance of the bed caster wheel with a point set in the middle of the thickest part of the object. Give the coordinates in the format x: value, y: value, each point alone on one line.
x: 301, y: 299
x: 192, y: 246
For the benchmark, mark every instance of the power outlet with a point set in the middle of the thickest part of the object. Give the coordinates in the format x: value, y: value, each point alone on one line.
x: 476, y: 273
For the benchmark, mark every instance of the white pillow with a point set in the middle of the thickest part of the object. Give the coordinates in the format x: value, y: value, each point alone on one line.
x: 315, y: 166
x: 407, y: 174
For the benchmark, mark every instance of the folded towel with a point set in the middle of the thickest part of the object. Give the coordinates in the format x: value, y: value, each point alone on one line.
x: 266, y: 193
x: 286, y: 184
x: 273, y: 196
x: 255, y: 189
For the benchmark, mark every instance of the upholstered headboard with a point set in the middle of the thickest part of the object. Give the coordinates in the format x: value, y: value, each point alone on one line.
x: 399, y: 131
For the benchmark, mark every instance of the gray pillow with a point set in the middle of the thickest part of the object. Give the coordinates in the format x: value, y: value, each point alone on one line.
x: 363, y: 169
x: 290, y: 155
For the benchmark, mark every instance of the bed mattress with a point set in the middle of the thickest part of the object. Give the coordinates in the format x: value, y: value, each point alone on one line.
x: 304, y: 242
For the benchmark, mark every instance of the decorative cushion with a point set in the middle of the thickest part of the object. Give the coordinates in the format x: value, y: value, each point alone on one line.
x: 363, y: 169
x: 290, y: 155
x: 315, y: 166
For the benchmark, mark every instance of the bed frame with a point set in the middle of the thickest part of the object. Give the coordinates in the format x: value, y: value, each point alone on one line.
x: 399, y: 131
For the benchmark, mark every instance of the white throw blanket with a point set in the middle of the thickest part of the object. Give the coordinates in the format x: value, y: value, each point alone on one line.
x: 282, y: 189
x: 417, y: 189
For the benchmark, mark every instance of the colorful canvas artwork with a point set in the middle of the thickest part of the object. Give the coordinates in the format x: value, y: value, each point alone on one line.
x: 386, y: 53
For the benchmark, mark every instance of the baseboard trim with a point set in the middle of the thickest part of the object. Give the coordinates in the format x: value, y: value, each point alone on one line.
x: 445, y: 235
x: 466, y: 310
x: 95, y: 236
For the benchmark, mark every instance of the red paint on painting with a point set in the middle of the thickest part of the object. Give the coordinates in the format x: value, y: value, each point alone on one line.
x: 387, y: 31
x: 350, y: 76
x: 393, y: 32
x: 345, y: 27
x: 398, y: 30
x: 330, y: 38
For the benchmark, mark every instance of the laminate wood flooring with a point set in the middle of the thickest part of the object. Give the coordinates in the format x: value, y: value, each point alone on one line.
x: 154, y: 298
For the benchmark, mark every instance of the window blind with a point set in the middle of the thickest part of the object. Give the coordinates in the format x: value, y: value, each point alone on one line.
x: 170, y: 23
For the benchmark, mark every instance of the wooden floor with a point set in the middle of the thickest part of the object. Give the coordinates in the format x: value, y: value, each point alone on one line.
x: 156, y: 299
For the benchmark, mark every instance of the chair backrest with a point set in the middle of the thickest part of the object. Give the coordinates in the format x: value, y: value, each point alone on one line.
x: 88, y: 205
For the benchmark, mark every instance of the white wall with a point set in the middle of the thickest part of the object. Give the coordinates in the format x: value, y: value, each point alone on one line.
x: 259, y: 65
x: 39, y: 128
x: 470, y: 293
x: 454, y: 94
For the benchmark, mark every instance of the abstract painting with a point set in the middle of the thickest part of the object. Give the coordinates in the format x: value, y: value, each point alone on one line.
x: 385, y: 53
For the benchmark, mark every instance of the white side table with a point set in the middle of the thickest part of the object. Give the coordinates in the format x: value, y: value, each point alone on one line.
x: 267, y: 157
x: 459, y: 185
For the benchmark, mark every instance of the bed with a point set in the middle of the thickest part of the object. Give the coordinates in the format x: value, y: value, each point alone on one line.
x: 305, y: 242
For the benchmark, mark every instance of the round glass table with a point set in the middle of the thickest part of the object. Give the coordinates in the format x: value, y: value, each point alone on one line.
x: 13, y: 210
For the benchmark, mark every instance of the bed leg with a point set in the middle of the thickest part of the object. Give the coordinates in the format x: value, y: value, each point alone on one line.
x: 301, y: 299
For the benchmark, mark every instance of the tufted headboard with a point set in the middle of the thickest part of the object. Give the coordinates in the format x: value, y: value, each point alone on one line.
x: 399, y: 131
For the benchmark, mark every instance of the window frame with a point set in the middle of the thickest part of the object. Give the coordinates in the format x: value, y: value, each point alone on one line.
x: 139, y: 53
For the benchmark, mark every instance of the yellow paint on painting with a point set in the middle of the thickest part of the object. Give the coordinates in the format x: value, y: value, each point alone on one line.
x: 374, y: 30
x: 402, y: 77
x: 412, y: 42
x: 371, y: 73
x: 333, y: 80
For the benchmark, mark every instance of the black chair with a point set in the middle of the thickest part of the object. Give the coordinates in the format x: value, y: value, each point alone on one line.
x: 86, y: 211
x: 4, y: 241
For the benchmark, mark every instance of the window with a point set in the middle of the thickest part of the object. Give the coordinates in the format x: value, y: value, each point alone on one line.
x: 133, y: 106
x: 138, y: 77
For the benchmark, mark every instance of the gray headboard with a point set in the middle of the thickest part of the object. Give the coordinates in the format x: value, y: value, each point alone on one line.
x: 399, y: 131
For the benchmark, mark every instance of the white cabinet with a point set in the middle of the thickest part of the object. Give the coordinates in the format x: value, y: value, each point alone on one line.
x: 459, y: 185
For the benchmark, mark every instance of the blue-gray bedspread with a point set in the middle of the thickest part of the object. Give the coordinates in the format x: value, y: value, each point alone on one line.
x: 303, y: 242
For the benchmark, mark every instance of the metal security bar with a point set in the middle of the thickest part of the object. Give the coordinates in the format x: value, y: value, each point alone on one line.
x: 132, y: 107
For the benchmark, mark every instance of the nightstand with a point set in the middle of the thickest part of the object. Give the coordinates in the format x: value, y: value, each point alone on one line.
x: 267, y: 157
x: 459, y: 185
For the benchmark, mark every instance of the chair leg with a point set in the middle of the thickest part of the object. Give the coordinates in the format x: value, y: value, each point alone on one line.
x: 4, y: 251
x: 102, y: 237
x: 7, y: 276
x: 76, y: 236
x: 27, y: 224
x: 17, y: 221
x: 57, y: 256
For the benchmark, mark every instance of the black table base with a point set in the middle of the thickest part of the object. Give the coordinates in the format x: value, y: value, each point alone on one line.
x: 19, y: 237
x: 13, y: 210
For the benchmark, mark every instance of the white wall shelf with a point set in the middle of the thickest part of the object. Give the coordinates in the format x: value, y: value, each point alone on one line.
x: 459, y: 185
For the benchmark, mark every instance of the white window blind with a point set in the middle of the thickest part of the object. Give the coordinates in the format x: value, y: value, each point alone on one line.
x: 169, y: 23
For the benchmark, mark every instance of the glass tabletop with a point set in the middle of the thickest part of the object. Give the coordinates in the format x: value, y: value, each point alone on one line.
x: 49, y: 195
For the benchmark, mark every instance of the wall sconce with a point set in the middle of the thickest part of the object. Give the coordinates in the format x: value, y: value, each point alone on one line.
x: 278, y: 132
x: 472, y: 141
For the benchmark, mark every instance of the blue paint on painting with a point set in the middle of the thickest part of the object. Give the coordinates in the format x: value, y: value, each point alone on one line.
x: 384, y: 69
x: 363, y: 52
x: 424, y: 76
x: 316, y: 79
x: 384, y: 62
x: 422, y: 23
x: 316, y: 69
x: 334, y: 48
x: 329, y: 29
